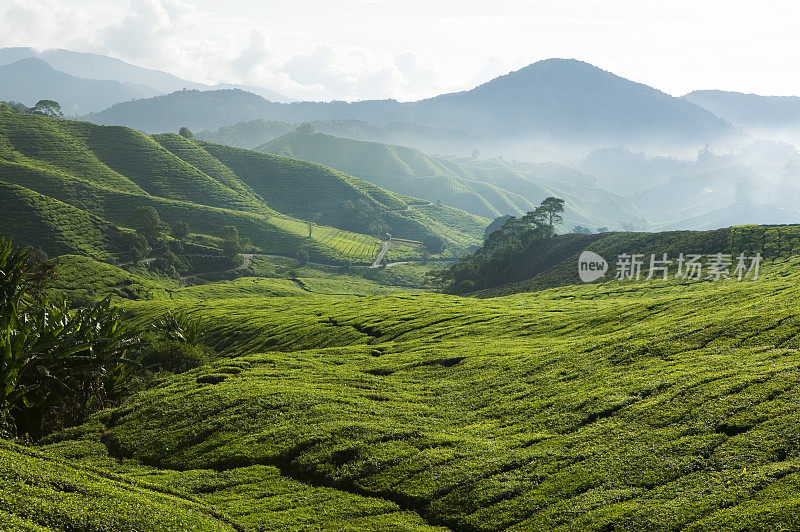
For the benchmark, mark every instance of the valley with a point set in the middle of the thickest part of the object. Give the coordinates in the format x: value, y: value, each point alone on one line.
x: 362, y: 273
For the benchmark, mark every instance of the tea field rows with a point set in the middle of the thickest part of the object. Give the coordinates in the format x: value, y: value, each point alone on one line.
x: 630, y: 406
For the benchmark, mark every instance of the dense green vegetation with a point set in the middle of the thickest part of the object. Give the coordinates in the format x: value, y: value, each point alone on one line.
x: 400, y: 169
x: 81, y: 178
x: 42, y: 491
x: 292, y: 395
x: 516, y: 261
x: 331, y: 403
x: 576, y: 407
x: 57, y: 364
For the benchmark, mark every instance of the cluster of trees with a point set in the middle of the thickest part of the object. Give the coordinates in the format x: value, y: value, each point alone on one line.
x: 232, y: 244
x: 152, y: 237
x: 42, y: 107
x: 581, y: 230
x: 502, y: 247
x: 167, y: 244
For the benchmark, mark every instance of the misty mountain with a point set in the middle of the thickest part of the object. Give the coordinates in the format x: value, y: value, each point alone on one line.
x: 570, y: 100
x: 485, y: 188
x: 750, y: 110
x: 552, y: 101
x: 254, y: 133
x: 248, y: 135
x: 30, y: 80
x: 195, y: 109
x: 148, y: 81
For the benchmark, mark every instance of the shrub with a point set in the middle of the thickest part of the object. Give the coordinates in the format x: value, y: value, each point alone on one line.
x: 57, y: 365
x: 172, y: 355
x: 179, y: 327
x: 174, y: 344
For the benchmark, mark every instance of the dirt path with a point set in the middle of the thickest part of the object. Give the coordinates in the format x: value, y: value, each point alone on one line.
x: 381, y: 254
x: 143, y: 261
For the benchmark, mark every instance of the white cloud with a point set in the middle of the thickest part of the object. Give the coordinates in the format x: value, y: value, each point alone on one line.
x: 359, y: 75
x: 410, y: 49
x: 44, y: 24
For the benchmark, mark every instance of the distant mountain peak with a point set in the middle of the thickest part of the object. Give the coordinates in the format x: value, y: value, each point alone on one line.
x: 32, y: 63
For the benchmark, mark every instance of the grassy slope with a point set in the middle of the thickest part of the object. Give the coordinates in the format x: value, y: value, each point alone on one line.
x: 108, y: 171
x: 651, y: 405
x: 79, y: 277
x: 52, y: 225
x: 537, y: 269
x: 401, y: 169
x: 75, y: 486
x: 44, y: 492
x: 290, y: 185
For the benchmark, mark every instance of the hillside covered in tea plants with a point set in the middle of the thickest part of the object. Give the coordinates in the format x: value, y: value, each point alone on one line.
x: 485, y: 188
x: 626, y: 405
x: 64, y: 178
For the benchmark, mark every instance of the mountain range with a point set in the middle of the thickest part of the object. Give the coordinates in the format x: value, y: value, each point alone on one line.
x: 30, y: 79
x: 548, y: 104
x: 557, y: 101
x: 750, y: 110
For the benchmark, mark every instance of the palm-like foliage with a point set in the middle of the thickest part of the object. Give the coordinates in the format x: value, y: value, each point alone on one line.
x: 179, y: 327
x: 50, y: 354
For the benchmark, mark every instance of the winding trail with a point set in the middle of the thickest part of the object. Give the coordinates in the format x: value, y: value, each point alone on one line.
x: 381, y: 254
x: 143, y: 261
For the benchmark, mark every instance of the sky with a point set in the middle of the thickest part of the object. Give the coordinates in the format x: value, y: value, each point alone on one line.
x: 411, y: 49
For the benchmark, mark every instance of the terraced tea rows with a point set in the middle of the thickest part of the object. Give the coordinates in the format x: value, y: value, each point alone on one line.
x: 109, y: 171
x: 356, y: 247
x: 635, y: 406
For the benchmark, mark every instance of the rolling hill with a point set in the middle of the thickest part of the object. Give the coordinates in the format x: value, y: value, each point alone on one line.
x: 485, y: 188
x: 254, y: 133
x: 400, y: 169
x: 100, y: 174
x: 555, y: 263
x: 649, y: 405
x: 193, y: 108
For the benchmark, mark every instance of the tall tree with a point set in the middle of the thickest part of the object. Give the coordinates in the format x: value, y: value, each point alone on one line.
x: 148, y: 223
x: 47, y: 108
x: 229, y: 232
x: 232, y: 245
x: 180, y: 230
x: 552, y: 207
